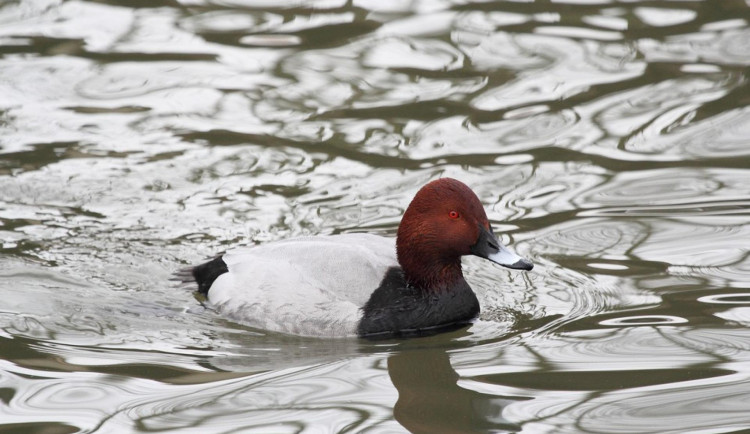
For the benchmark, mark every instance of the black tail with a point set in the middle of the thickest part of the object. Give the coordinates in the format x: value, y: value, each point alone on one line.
x: 205, y: 274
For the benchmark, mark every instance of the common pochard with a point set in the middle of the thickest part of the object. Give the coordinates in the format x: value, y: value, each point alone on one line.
x: 362, y: 284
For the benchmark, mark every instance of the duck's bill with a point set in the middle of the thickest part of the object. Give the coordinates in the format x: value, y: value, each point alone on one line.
x: 488, y: 247
x: 507, y: 258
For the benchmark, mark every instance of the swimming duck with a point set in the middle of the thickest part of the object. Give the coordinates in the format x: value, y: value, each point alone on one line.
x: 362, y: 284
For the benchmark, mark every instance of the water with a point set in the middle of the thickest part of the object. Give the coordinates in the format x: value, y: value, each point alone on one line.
x: 608, y: 142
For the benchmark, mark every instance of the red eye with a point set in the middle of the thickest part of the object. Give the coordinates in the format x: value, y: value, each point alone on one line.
x: 453, y: 214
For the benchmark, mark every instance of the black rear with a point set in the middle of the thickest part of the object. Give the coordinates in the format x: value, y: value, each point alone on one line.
x: 205, y: 274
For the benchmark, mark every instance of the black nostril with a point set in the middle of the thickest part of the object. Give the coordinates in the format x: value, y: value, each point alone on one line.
x: 494, y: 246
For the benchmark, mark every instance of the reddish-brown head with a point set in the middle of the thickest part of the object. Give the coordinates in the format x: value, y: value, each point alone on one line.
x: 443, y: 222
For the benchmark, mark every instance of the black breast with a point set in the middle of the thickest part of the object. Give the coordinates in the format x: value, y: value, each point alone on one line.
x: 396, y: 308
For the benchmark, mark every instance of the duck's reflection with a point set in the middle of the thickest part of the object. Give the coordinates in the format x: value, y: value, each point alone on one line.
x: 431, y: 401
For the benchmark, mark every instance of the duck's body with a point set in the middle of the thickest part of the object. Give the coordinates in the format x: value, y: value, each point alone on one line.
x: 298, y: 286
x: 362, y: 284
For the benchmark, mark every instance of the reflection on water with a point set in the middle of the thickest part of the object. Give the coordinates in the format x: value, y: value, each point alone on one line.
x: 430, y: 399
x: 607, y: 141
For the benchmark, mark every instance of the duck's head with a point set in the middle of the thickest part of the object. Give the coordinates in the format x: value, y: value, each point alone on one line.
x: 443, y: 222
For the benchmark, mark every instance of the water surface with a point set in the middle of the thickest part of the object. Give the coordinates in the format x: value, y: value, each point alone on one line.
x: 608, y: 142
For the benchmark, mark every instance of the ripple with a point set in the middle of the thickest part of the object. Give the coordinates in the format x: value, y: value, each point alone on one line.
x: 608, y: 266
x: 715, y: 252
x: 641, y: 113
x: 720, y: 343
x: 735, y: 298
x: 271, y: 40
x: 576, y: 67
x: 595, y: 237
x: 496, y: 50
x: 711, y: 406
x: 577, y: 378
x: 712, y: 242
x: 424, y: 25
x: 365, y: 74
x: 662, y: 187
x: 579, y: 32
x: 224, y: 21
x: 659, y: 17
x: 31, y: 111
x: 94, y: 400
x: 713, y: 403
x: 716, y: 46
x: 128, y: 80
x: 717, y: 136
x: 606, y: 20
x: 737, y: 315
x: 457, y: 135
x: 265, y: 399
x: 610, y: 349
x: 97, y: 25
x: 265, y: 29
x: 405, y: 53
x: 641, y: 320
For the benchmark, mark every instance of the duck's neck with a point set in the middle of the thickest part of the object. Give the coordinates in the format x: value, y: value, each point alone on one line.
x: 437, y: 279
x: 427, y: 270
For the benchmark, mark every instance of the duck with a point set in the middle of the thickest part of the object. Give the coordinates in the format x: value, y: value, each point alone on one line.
x: 360, y: 284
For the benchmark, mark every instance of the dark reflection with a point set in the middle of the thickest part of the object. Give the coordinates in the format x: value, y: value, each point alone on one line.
x: 38, y: 427
x: 40, y: 155
x: 430, y: 399
x: 600, y: 380
x: 43, y: 45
